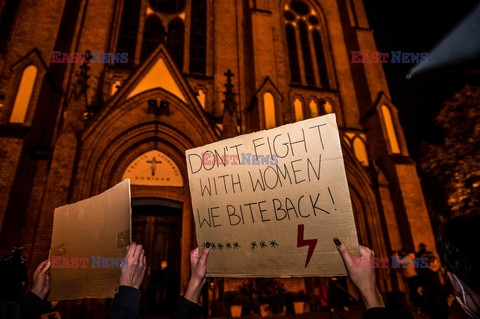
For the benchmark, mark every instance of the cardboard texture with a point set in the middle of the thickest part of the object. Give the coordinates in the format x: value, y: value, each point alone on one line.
x: 271, y: 202
x: 88, y: 241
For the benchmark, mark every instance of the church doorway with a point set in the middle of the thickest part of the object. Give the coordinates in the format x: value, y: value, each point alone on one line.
x: 157, y: 225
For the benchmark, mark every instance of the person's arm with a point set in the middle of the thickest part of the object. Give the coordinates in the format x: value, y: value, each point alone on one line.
x: 126, y: 302
x: 363, y: 278
x: 187, y: 309
x: 32, y: 306
x: 34, y: 303
x: 187, y: 306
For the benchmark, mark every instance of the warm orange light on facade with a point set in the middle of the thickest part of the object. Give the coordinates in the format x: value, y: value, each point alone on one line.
x: 360, y: 151
x: 313, y: 108
x: 298, y: 106
x: 269, y: 106
x: 392, y: 135
x: 24, y: 93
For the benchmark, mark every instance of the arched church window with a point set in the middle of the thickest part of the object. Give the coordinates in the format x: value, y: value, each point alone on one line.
x: 320, y: 56
x: 269, y: 110
x: 307, y: 57
x: 175, y: 41
x: 153, y: 35
x: 304, y: 34
x: 198, y: 37
x: 313, y: 108
x: 390, y: 128
x: 24, y: 94
x: 127, y: 39
x: 292, y: 53
x: 164, y: 22
x: 7, y: 17
x: 298, y: 107
x: 360, y: 151
x: 325, y: 107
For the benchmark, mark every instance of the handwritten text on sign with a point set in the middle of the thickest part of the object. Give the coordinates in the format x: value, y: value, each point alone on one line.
x: 270, y: 202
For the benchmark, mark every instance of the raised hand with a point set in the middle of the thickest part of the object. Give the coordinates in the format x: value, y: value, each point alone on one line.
x: 133, y: 271
x: 362, y: 274
x: 198, y: 264
x: 41, y: 279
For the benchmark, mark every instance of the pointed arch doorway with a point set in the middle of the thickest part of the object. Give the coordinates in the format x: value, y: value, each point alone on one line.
x: 157, y: 225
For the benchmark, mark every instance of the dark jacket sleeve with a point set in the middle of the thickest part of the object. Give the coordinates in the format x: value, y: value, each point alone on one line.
x: 186, y: 309
x: 376, y: 313
x: 125, y: 304
x: 32, y: 306
x: 9, y: 309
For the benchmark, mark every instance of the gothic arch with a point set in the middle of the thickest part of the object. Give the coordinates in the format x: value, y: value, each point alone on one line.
x: 142, y: 25
x: 24, y: 94
x: 307, y: 40
x: 363, y: 198
x: 268, y: 88
x: 31, y: 60
x: 390, y: 124
x: 108, y: 147
x: 154, y: 109
x: 368, y: 216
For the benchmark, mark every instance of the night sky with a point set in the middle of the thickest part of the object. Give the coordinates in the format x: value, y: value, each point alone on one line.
x: 416, y: 26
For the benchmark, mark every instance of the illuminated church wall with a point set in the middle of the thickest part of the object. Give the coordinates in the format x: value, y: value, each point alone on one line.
x: 289, y: 60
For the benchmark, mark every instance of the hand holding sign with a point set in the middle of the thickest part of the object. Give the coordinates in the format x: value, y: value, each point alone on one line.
x: 362, y: 277
x: 198, y: 265
x: 89, y: 239
x: 41, y: 279
x: 133, y: 272
x: 275, y: 199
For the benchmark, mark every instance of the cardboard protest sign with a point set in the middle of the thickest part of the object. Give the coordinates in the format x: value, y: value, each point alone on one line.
x: 89, y: 243
x: 271, y: 202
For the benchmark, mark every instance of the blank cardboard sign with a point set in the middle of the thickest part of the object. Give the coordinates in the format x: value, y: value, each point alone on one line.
x: 271, y: 202
x: 89, y: 241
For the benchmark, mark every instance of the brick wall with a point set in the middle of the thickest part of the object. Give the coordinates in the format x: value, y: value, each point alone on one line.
x: 10, y: 150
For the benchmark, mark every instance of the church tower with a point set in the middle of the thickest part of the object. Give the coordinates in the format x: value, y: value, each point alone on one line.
x: 197, y: 71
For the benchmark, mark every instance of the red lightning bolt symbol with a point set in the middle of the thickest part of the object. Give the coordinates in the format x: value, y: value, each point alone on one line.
x: 311, y: 243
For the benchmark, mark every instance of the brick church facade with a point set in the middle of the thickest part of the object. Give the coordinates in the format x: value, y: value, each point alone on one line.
x: 71, y: 130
